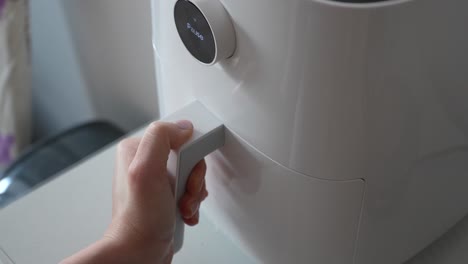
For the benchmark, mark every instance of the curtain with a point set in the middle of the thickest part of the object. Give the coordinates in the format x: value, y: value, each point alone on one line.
x: 15, y: 93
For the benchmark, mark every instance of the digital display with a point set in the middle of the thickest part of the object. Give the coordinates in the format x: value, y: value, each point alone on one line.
x: 195, y: 31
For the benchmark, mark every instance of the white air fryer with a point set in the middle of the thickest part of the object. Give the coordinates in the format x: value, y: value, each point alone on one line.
x: 346, y: 122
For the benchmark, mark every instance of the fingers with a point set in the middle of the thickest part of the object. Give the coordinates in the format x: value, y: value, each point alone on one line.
x: 196, y: 179
x: 189, y: 205
x: 194, y: 220
x: 205, y: 194
x: 126, y: 150
x: 195, y: 193
x: 151, y: 157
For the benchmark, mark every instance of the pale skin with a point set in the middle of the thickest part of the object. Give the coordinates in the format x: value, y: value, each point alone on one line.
x: 143, y: 204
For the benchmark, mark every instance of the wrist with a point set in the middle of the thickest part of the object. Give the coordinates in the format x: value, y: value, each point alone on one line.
x: 136, y: 248
x: 111, y: 250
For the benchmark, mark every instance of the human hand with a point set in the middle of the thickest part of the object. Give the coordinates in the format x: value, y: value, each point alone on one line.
x: 143, y: 209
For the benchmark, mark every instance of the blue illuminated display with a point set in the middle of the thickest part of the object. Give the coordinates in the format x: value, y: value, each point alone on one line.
x: 195, y: 32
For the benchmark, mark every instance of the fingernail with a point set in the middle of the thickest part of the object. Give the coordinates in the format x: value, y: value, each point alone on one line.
x: 184, y: 124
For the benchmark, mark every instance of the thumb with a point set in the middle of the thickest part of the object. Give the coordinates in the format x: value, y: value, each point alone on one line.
x: 152, y: 153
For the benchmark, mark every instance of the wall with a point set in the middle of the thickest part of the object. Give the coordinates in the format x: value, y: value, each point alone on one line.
x: 92, y: 59
x: 60, y: 94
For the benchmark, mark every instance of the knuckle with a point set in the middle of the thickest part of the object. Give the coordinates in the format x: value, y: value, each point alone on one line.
x: 124, y: 145
x: 135, y: 172
x: 140, y: 174
x: 158, y: 128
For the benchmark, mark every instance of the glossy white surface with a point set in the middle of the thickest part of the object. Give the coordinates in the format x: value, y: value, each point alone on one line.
x: 451, y: 248
x: 338, y: 92
x: 278, y: 215
x: 74, y: 210
x: 4, y: 259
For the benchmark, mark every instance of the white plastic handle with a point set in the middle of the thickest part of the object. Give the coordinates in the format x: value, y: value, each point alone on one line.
x: 208, y: 136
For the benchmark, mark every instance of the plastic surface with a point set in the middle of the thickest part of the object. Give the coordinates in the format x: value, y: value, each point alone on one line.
x: 451, y: 248
x: 4, y: 259
x: 278, y: 215
x: 339, y: 92
x: 208, y: 136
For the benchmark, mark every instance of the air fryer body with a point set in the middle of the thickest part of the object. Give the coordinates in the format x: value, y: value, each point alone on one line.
x: 347, y: 125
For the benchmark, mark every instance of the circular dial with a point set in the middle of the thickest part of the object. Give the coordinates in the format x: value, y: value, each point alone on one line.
x: 195, y: 31
x: 205, y: 28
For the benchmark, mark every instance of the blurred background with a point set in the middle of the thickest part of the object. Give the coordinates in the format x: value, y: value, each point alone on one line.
x: 91, y: 81
x: 91, y: 60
